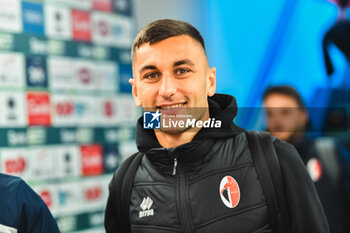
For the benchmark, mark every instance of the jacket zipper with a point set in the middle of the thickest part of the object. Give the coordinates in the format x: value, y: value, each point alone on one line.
x: 175, y: 165
x: 185, y: 217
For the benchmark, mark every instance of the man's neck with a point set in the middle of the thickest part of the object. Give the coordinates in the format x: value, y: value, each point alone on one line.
x: 168, y: 140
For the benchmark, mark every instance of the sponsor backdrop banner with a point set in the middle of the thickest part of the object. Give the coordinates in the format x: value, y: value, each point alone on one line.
x: 67, y: 115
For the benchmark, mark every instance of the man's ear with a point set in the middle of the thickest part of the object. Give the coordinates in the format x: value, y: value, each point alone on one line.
x: 211, y: 85
x: 137, y: 100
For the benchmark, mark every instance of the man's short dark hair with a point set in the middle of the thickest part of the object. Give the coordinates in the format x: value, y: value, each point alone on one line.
x: 285, y: 90
x: 162, y: 29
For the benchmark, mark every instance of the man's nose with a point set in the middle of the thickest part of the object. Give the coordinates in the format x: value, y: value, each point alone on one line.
x: 167, y: 86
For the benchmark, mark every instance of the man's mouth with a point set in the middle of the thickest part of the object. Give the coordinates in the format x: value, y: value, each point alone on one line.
x: 171, y: 106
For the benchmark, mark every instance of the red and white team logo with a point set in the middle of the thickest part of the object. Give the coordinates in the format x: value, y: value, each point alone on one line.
x: 314, y: 168
x: 229, y: 192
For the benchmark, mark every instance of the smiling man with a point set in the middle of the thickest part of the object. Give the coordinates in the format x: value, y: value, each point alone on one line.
x: 197, y: 176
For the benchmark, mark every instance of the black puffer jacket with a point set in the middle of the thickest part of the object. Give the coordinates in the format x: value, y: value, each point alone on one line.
x: 215, y: 188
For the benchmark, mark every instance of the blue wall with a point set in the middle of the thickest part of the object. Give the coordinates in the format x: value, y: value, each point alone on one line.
x: 254, y: 44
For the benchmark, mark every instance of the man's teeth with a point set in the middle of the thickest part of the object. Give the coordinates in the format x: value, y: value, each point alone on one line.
x: 173, y: 106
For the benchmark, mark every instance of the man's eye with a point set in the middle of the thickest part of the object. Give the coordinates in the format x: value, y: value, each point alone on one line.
x: 182, y: 71
x: 151, y: 75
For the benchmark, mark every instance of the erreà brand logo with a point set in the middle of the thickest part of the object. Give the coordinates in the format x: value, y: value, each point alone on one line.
x: 229, y: 192
x: 146, y: 208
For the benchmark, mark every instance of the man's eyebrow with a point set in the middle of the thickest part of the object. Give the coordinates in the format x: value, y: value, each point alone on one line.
x: 184, y: 62
x: 148, y: 67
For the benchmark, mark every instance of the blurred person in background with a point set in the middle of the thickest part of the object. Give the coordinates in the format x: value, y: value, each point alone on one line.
x: 287, y: 119
x: 22, y: 210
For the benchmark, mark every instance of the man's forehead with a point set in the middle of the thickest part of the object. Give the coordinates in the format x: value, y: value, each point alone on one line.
x: 174, y: 64
x: 179, y: 47
x: 279, y: 100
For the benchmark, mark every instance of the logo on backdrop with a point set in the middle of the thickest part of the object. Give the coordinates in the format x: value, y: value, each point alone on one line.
x: 92, y: 160
x: 122, y: 6
x: 229, y: 192
x: 33, y: 18
x: 81, y: 25
x: 93, y: 193
x: 11, y: 106
x: 11, y: 70
x: 15, y: 165
x: 103, y: 28
x: 13, y: 109
x: 58, y: 22
x: 65, y: 108
x: 10, y: 16
x: 36, y: 72
x: 102, y: 5
x: 38, y: 104
x: 111, y: 158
